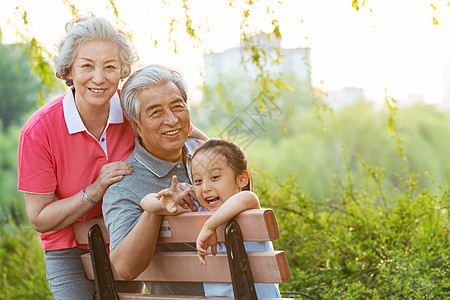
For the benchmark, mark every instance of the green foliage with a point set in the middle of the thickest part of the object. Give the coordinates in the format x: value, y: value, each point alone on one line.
x: 361, y: 198
x: 21, y: 264
x: 315, y: 149
x: 351, y: 247
x: 40, y: 66
x: 18, y: 87
x: 10, y: 199
x: 233, y: 99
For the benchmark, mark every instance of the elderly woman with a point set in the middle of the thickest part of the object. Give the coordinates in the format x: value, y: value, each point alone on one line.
x: 72, y: 149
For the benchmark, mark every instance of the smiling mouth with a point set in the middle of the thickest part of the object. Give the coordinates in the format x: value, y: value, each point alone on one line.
x: 212, y: 200
x: 171, y: 133
x: 97, y: 91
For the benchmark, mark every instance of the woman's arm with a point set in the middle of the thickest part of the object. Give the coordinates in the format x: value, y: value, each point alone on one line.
x: 232, y: 207
x: 46, y: 214
x: 198, y: 134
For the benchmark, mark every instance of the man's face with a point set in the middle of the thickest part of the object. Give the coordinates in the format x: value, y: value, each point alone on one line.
x: 164, y: 121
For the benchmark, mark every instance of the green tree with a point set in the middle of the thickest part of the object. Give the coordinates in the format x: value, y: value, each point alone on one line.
x: 18, y: 85
x: 11, y: 201
x: 356, y: 219
x: 233, y: 104
x: 314, y: 149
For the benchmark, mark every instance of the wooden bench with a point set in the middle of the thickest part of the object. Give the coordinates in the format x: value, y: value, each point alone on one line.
x: 234, y: 267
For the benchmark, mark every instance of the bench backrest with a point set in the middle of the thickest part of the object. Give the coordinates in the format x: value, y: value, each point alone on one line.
x: 255, y: 225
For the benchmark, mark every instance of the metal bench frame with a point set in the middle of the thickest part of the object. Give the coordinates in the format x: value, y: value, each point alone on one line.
x: 241, y: 275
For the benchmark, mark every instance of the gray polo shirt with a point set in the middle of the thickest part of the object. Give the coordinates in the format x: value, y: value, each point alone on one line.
x: 121, y: 202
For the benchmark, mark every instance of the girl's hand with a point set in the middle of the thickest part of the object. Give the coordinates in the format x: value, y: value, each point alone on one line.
x: 170, y: 198
x: 206, y: 238
x: 188, y: 201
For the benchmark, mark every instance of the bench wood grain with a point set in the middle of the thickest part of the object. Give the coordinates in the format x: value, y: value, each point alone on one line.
x: 255, y: 225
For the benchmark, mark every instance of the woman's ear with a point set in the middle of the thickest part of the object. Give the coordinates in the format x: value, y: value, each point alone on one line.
x: 69, y: 74
x: 243, y: 179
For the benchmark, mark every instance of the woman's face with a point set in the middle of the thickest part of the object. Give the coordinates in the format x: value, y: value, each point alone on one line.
x: 95, y: 73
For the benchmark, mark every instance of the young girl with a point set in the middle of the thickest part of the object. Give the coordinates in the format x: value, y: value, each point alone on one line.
x: 222, y: 183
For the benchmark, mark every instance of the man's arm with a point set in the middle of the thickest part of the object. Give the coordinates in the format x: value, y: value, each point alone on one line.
x: 133, y: 232
x: 134, y: 253
x: 232, y: 207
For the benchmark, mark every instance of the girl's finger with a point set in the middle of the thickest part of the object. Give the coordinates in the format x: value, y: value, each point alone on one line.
x: 202, y: 259
x: 174, y: 184
x: 184, y: 193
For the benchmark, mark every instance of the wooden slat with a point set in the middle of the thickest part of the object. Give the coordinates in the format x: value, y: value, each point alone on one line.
x: 125, y: 296
x: 255, y: 224
x: 267, y: 267
x: 81, y: 230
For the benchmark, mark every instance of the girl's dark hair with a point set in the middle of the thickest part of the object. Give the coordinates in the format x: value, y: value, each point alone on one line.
x: 234, y: 155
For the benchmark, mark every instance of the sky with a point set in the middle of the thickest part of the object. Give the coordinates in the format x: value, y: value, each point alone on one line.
x: 386, y: 45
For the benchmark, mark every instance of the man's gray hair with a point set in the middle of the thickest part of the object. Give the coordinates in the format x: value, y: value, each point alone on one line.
x: 87, y: 29
x: 148, y: 77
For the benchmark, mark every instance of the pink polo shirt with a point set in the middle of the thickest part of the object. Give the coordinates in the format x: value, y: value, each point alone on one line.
x: 57, y: 154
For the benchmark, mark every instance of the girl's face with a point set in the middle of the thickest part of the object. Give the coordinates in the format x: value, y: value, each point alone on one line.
x: 214, y: 180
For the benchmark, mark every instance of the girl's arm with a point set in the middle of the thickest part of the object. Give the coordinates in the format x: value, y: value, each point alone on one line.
x: 165, y: 202
x: 232, y: 207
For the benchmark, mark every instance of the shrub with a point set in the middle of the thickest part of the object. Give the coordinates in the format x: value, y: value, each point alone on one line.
x: 359, y: 244
x: 21, y: 263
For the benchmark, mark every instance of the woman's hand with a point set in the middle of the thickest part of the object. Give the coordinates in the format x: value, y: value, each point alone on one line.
x: 109, y: 174
x: 206, y: 238
x: 46, y: 214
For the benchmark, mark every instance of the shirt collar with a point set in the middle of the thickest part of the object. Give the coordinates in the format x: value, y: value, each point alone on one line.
x: 73, y: 119
x: 159, y: 167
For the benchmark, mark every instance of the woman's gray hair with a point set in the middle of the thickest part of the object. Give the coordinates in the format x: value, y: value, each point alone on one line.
x: 148, y: 77
x: 87, y: 29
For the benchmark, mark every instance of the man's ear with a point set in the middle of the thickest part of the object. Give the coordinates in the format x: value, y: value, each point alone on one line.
x: 135, y: 126
x: 243, y: 179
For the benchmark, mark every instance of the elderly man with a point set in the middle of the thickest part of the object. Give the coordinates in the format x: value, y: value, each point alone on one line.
x: 154, y: 100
